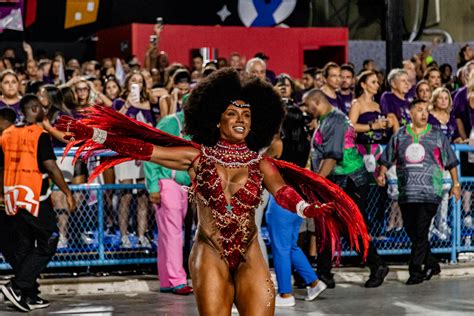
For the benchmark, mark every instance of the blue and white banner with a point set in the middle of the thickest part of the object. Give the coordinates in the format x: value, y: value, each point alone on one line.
x: 265, y: 12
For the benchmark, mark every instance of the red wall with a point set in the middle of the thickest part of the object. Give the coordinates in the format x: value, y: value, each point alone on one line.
x: 109, y: 41
x: 285, y: 46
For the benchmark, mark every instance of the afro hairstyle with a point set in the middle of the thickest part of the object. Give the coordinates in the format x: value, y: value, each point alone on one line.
x: 212, y: 96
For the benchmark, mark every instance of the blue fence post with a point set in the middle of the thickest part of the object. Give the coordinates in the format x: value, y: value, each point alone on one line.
x: 100, y: 214
x: 456, y: 239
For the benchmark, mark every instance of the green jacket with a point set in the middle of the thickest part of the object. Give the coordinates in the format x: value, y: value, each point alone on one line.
x: 155, y: 172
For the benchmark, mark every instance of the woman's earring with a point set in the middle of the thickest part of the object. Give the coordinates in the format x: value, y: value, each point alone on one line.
x: 219, y: 125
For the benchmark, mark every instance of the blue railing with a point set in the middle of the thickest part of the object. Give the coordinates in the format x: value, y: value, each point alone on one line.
x: 102, y: 247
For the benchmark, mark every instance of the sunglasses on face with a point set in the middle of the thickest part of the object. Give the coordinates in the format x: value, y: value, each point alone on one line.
x: 82, y: 89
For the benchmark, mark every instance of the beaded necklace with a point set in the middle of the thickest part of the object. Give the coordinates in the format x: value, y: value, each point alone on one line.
x: 231, y: 155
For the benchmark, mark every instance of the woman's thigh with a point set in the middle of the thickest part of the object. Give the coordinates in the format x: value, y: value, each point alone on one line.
x: 254, y: 288
x: 212, y: 281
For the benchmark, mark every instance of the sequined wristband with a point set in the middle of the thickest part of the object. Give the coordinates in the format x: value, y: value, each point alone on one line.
x: 99, y: 136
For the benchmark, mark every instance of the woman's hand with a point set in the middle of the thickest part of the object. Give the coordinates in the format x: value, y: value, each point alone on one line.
x: 158, y: 29
x: 316, y: 209
x: 75, y: 130
x: 28, y: 50
x: 380, y: 123
x: 72, y: 81
x: 131, y: 101
x: 155, y: 197
x: 175, y: 94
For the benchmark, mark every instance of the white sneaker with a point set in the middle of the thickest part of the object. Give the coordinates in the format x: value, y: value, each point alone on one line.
x: 125, y: 242
x: 88, y: 237
x: 143, y: 242
x: 62, y: 243
x: 314, y: 292
x: 285, y: 301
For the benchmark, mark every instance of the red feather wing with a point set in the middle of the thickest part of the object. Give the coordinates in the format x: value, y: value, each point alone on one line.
x: 344, y: 220
x: 117, y: 124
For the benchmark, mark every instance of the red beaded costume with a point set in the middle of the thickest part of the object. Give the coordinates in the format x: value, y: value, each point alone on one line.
x: 233, y: 219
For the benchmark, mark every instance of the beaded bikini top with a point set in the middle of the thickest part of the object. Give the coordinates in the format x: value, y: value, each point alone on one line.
x: 232, y: 218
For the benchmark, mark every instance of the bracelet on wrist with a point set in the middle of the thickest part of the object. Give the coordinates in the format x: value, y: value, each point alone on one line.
x: 456, y: 184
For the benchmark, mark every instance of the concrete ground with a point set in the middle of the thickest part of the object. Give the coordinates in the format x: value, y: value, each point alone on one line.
x: 447, y: 294
x: 439, y: 296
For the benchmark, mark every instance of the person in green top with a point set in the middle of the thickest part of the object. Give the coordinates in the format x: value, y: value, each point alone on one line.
x: 334, y: 155
x: 170, y: 201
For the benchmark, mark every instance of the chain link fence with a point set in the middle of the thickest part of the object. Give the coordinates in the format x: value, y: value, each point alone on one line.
x: 108, y: 222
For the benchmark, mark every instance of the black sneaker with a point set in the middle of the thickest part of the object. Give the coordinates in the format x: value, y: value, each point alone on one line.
x: 429, y: 272
x: 36, y: 303
x: 377, y: 277
x: 15, y: 297
x: 328, y: 279
x: 416, y: 278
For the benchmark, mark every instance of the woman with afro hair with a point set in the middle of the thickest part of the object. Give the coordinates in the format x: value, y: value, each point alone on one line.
x: 231, y: 122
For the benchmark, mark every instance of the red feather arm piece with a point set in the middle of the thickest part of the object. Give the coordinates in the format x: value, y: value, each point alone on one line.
x: 345, y: 219
x: 128, y: 137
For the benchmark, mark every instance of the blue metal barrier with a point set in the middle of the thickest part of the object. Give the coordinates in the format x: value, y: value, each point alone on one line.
x: 464, y: 224
x: 102, y: 248
x: 87, y: 241
x: 459, y: 218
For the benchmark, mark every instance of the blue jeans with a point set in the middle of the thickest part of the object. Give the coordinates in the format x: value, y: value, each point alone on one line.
x: 284, y: 227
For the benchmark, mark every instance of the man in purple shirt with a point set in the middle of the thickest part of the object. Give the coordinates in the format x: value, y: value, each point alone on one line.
x: 332, y: 77
x: 347, y: 83
x: 395, y: 101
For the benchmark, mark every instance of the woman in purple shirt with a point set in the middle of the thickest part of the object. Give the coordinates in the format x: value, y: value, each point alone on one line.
x: 137, y: 107
x: 442, y: 117
x: 373, y: 129
x: 10, y: 93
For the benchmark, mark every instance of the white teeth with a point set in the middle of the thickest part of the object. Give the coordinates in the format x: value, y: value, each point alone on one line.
x: 239, y: 129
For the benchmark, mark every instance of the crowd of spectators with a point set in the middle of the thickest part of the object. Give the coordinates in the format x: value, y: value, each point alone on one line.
x: 377, y: 105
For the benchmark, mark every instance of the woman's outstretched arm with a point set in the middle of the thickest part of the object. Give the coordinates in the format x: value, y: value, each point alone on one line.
x: 178, y: 158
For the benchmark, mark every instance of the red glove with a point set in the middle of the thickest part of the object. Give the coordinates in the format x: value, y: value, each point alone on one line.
x: 316, y: 209
x: 289, y: 199
x: 77, y: 130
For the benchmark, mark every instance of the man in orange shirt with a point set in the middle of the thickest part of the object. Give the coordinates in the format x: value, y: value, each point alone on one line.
x: 29, y: 161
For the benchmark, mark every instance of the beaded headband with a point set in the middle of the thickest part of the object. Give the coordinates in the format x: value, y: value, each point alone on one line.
x: 240, y: 104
